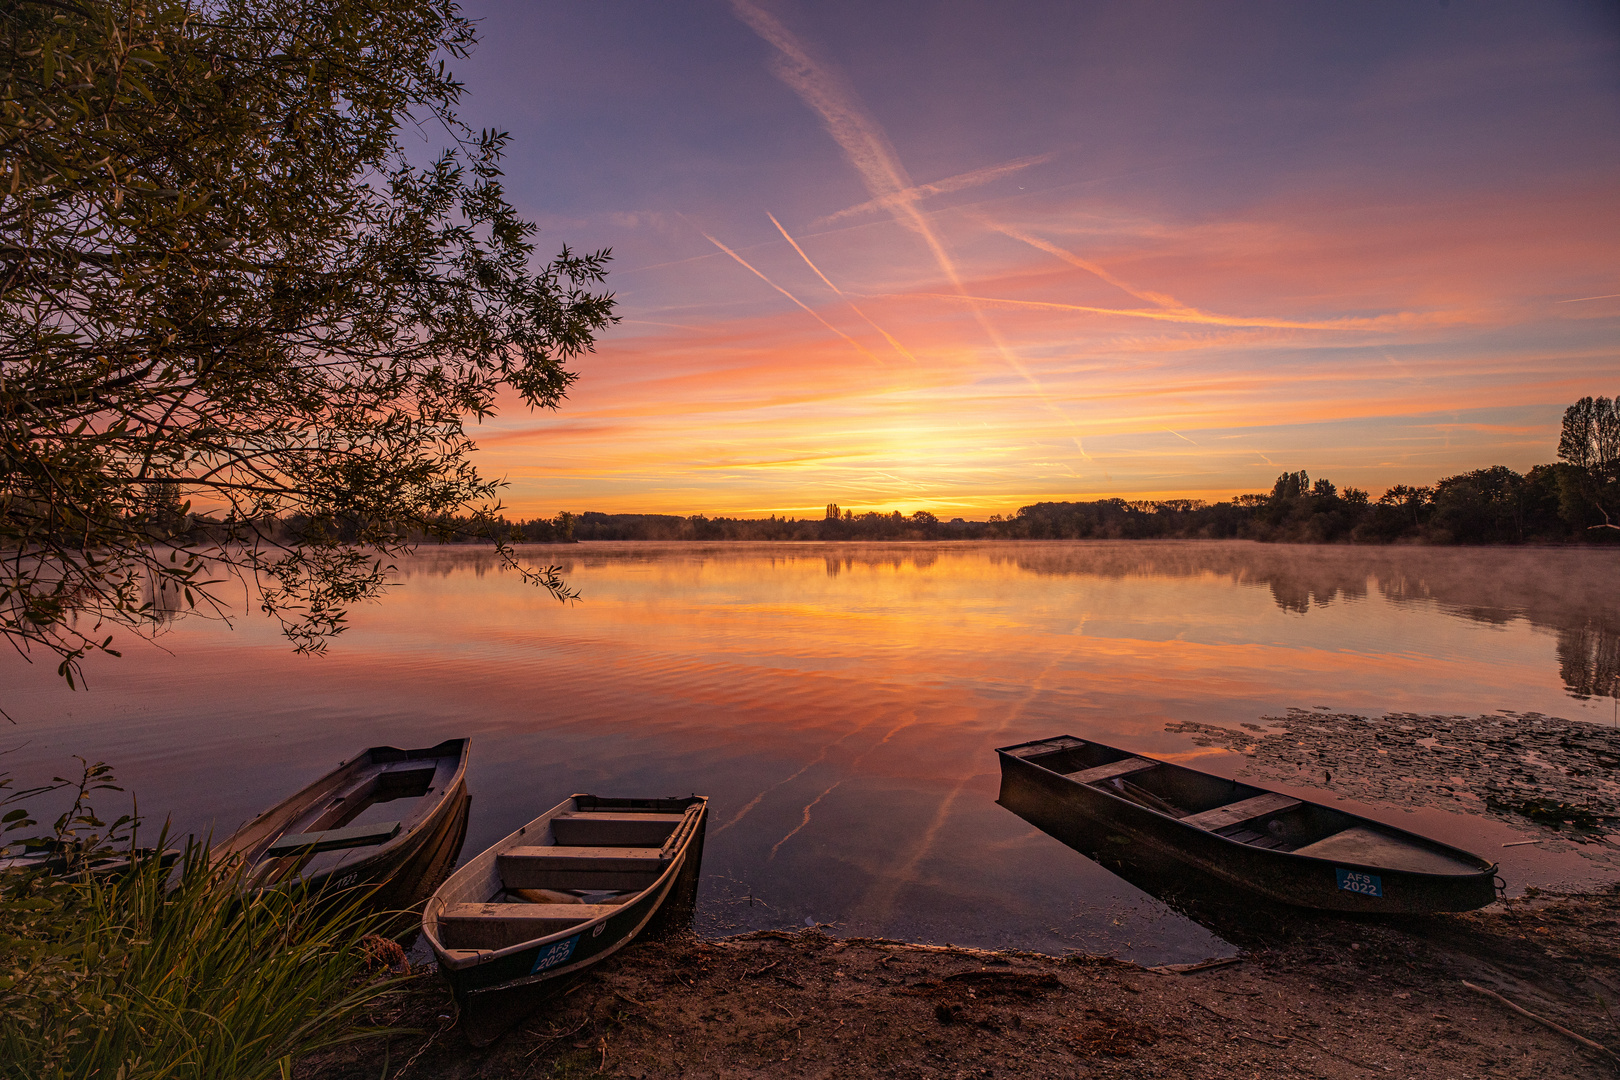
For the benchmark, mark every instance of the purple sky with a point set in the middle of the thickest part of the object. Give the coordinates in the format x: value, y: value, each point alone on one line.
x: 1068, y: 250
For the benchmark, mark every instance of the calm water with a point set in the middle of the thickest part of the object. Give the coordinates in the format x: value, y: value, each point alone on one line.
x: 840, y: 703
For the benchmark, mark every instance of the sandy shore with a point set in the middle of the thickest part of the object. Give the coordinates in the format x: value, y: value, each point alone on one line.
x: 1312, y: 996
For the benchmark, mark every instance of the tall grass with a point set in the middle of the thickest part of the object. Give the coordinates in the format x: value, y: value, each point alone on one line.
x: 172, y: 972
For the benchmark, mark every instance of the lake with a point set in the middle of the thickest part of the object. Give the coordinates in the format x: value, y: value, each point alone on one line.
x: 840, y: 703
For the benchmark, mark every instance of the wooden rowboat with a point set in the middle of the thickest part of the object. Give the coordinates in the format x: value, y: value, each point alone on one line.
x: 566, y: 890
x: 1286, y: 849
x: 361, y: 824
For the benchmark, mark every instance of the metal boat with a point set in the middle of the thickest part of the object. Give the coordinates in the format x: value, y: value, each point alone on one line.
x: 368, y: 821
x: 563, y: 892
x: 1289, y: 850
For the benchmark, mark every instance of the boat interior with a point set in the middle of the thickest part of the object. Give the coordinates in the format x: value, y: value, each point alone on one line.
x: 1242, y: 813
x: 579, y: 862
x: 348, y: 814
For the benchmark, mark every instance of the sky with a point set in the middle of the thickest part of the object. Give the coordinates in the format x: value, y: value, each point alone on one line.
x: 963, y: 257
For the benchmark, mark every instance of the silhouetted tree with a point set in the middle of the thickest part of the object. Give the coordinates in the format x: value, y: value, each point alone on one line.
x: 1590, y: 441
x: 223, y: 277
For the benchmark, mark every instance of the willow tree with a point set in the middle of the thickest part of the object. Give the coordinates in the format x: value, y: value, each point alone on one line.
x: 243, y: 322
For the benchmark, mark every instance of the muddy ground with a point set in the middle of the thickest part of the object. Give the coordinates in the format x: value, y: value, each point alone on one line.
x: 1313, y: 995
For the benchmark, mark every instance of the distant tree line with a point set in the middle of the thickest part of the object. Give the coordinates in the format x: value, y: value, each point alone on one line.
x: 1575, y: 499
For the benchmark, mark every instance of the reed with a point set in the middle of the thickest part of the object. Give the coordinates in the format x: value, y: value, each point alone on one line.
x: 173, y: 972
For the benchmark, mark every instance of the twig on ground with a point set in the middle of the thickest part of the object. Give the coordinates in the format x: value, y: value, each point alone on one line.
x: 1335, y: 1053
x: 1263, y: 1042
x: 1223, y: 1016
x: 760, y: 971
x: 1188, y: 969
x: 547, y: 1040
x: 1561, y: 1029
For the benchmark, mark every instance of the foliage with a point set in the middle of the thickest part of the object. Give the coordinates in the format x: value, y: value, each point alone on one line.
x: 1590, y: 444
x: 231, y: 298
x: 1486, y: 506
x: 119, y: 965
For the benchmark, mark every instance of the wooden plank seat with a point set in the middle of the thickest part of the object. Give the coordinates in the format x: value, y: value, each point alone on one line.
x: 354, y: 836
x: 495, y: 926
x: 1047, y: 746
x: 1112, y: 770
x: 580, y: 867
x: 601, y: 829
x: 1244, y: 810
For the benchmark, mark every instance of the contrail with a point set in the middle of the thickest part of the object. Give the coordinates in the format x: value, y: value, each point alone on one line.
x: 1173, y: 310
x: 1578, y: 299
x: 1180, y: 436
x: 789, y: 295
x: 874, y: 158
x: 939, y: 187
x: 1193, y: 315
x: 1090, y: 267
x: 899, y: 348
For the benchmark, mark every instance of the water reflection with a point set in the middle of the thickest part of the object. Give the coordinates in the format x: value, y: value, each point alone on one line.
x: 840, y: 703
x: 1231, y: 914
x: 1589, y: 660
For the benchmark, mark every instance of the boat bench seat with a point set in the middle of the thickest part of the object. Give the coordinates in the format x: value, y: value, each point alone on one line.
x: 1244, y: 810
x: 604, y: 829
x: 580, y: 867
x: 354, y: 836
x: 495, y: 926
x: 1045, y: 746
x: 1112, y: 770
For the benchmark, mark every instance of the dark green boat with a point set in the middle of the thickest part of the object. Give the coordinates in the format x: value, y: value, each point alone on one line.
x: 1286, y: 849
x: 375, y: 817
x: 571, y: 887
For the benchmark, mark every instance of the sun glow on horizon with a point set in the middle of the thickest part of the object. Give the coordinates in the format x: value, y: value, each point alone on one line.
x: 1059, y: 309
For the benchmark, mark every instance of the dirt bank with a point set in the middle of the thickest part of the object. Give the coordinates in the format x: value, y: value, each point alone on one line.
x: 1314, y: 996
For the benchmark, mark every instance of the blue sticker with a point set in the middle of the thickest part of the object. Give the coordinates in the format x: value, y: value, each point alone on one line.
x: 1358, y: 882
x: 554, y: 955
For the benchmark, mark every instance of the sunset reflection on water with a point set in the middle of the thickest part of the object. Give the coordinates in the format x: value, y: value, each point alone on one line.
x: 840, y: 703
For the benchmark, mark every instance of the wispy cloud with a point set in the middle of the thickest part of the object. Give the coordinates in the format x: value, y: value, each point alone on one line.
x: 808, y: 309
x: 919, y: 192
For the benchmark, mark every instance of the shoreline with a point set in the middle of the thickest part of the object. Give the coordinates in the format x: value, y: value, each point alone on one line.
x: 1310, y: 995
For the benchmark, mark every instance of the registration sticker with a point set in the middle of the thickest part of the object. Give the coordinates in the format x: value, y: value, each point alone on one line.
x: 556, y: 954
x: 1357, y: 881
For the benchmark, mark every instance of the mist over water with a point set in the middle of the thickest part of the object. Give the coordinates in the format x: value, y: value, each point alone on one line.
x: 840, y: 704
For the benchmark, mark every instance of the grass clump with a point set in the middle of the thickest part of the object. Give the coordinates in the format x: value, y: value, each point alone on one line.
x: 140, y: 968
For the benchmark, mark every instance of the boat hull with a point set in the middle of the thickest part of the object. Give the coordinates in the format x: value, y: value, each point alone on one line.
x: 436, y: 821
x: 496, y: 987
x: 1067, y: 809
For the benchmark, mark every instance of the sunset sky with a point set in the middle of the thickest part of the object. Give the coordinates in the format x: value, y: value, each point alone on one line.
x: 967, y: 256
